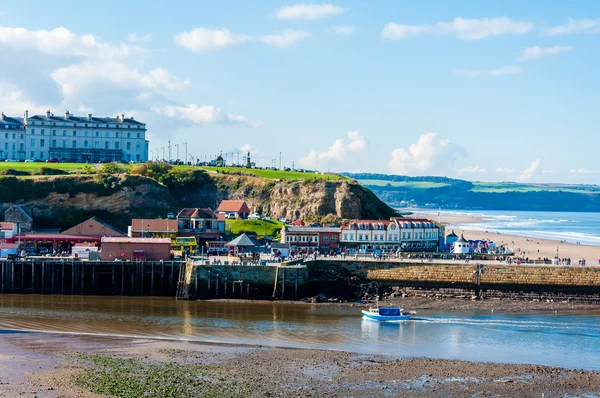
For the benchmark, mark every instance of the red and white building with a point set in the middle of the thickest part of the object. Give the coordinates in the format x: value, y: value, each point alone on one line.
x: 323, y: 239
x: 397, y: 234
x: 234, y: 209
x: 201, y: 223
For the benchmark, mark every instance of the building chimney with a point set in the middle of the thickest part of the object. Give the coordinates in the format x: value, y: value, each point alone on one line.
x: 26, y: 114
x: 3, y: 117
x: 67, y: 114
x: 48, y: 113
x: 90, y: 117
x: 123, y: 117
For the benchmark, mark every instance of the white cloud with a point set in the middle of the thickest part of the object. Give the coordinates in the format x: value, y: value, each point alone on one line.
x: 530, y: 171
x: 547, y: 172
x: 465, y: 29
x: 431, y: 154
x: 286, y: 39
x: 394, y: 31
x: 574, y: 26
x: 62, y: 42
x: 504, y: 170
x: 541, y: 52
x: 82, y: 78
x: 309, y: 12
x: 337, y: 154
x: 340, y: 30
x: 134, y: 38
x: 203, y: 40
x: 472, y: 170
x: 13, y: 102
x: 477, y: 29
x: 204, y: 115
x: 507, y: 70
x: 583, y: 171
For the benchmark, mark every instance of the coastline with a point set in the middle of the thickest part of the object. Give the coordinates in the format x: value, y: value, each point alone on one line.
x: 74, y: 366
x: 534, y: 248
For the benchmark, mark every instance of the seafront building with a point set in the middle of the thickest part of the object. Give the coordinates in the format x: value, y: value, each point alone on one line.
x: 72, y: 138
x: 311, y: 238
x: 397, y: 234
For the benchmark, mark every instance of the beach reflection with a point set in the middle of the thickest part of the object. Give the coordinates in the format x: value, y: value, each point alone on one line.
x: 511, y: 338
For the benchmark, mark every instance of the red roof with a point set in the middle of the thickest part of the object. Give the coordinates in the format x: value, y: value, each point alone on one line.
x: 234, y: 206
x: 55, y: 238
x: 154, y: 225
x: 7, y: 225
x: 120, y: 239
x: 191, y: 212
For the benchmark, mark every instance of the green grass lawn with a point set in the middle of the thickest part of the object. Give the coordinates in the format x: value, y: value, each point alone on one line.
x: 276, y: 174
x: 405, y: 184
x: 35, y: 166
x: 259, y: 227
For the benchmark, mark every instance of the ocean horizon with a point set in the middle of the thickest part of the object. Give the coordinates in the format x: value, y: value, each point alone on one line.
x: 571, y: 227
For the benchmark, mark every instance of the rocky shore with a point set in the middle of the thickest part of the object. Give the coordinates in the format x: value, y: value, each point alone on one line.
x: 48, y: 365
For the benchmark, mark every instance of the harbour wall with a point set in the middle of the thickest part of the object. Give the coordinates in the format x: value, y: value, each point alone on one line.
x: 66, y: 276
x: 204, y: 281
x: 473, y: 276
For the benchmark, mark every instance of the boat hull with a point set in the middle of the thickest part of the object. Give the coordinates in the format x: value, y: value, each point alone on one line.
x: 383, y: 318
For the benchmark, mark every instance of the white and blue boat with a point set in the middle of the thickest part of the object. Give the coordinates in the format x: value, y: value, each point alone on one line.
x: 388, y: 314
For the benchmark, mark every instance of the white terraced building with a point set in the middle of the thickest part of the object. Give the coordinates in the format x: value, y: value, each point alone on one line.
x: 397, y: 234
x: 73, y: 138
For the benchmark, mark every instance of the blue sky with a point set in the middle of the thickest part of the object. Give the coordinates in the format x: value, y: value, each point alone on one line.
x: 476, y: 90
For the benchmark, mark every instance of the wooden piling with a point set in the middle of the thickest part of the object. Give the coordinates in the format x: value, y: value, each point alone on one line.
x: 162, y: 277
x: 283, y: 284
x: 82, y: 276
x: 112, y: 291
x: 122, y: 276
x: 62, y: 276
x: 152, y: 279
x: 32, y: 276
x: 72, y: 277
x: 3, y: 266
x: 43, y: 277
x: 142, y: 284
x: 217, y: 285
x: 52, y: 278
x: 22, y: 276
x: 94, y: 287
x: 296, y: 286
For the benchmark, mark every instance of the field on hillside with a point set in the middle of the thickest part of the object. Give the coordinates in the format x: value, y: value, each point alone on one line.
x: 275, y: 174
x: 502, y: 187
x: 259, y: 227
x: 406, y: 184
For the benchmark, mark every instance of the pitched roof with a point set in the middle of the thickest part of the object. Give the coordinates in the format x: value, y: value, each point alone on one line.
x: 242, y: 241
x: 83, y: 119
x: 452, y: 235
x: 462, y: 240
x: 191, y: 212
x: 154, y: 225
x: 86, y: 228
x: 237, y: 206
x: 20, y: 209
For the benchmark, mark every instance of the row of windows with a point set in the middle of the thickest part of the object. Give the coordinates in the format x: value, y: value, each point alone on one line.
x: 125, y: 126
x: 86, y: 144
x: 85, y: 133
x: 13, y: 127
x: 405, y: 235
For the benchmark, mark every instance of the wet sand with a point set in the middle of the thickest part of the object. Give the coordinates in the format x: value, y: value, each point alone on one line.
x: 44, y: 365
x: 533, y: 248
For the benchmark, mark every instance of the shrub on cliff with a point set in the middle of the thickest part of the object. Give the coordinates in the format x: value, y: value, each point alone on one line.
x: 112, y: 168
x: 47, y: 171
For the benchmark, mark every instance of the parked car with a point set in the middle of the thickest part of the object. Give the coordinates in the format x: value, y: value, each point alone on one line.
x: 52, y: 160
x: 254, y: 216
x: 11, y: 161
x: 29, y: 160
x: 170, y: 215
x: 284, y: 220
x: 266, y: 218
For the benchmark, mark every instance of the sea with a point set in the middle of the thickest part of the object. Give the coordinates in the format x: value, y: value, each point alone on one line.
x: 571, y: 227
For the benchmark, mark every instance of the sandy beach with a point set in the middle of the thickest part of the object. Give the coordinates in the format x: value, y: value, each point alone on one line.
x: 533, y: 248
x: 49, y: 365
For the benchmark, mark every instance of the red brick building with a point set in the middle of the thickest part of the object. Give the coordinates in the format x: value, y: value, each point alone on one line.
x: 124, y: 248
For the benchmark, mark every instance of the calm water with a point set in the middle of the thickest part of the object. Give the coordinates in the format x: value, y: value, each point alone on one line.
x: 566, y: 339
x: 570, y: 226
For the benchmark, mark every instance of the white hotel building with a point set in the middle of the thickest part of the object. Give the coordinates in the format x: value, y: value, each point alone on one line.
x: 404, y: 234
x: 73, y: 138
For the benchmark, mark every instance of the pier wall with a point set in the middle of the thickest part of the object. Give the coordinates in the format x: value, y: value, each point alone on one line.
x: 243, y: 281
x: 528, y: 278
x: 62, y: 276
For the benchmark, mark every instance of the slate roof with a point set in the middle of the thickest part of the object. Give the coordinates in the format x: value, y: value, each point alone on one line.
x: 83, y: 119
x: 191, y: 212
x: 242, y: 241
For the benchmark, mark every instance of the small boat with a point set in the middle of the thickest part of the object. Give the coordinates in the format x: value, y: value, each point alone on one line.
x: 388, y: 314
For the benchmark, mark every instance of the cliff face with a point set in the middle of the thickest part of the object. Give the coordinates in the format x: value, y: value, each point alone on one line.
x: 66, y: 200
